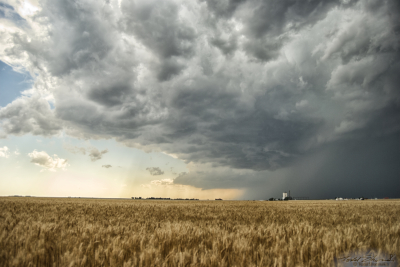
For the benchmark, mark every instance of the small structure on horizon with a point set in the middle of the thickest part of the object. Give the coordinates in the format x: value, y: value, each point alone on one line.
x: 286, y: 196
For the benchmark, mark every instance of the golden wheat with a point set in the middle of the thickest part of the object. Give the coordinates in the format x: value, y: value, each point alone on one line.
x: 84, y: 232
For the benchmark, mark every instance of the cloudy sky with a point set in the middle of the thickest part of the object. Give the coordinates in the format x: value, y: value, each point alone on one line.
x: 238, y: 99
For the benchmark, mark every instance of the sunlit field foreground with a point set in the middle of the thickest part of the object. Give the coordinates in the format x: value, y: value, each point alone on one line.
x: 83, y: 232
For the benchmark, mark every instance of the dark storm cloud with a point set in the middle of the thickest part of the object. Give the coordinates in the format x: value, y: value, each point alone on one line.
x: 168, y: 69
x: 236, y: 135
x: 110, y: 93
x: 356, y: 168
x: 224, y: 8
x: 244, y: 85
x: 157, y: 25
x: 366, y: 167
x: 271, y: 20
x: 272, y: 16
x: 221, y: 178
x: 226, y: 46
x: 83, y: 37
x: 267, y: 22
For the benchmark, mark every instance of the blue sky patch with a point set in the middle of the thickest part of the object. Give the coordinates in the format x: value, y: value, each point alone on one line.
x: 8, y: 12
x: 12, y: 83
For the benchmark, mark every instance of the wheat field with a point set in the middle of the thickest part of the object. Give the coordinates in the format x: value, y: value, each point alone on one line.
x: 94, y: 232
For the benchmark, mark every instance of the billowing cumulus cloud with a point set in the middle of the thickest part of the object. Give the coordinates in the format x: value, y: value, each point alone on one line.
x: 4, y: 152
x: 42, y: 159
x: 28, y: 115
x: 155, y: 171
x: 244, y: 85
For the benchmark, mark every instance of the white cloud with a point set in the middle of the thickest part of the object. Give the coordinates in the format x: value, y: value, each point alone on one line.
x: 163, y: 182
x: 42, y: 159
x: 4, y: 152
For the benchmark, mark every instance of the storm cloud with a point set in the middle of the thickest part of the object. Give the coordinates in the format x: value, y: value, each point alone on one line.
x: 251, y: 89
